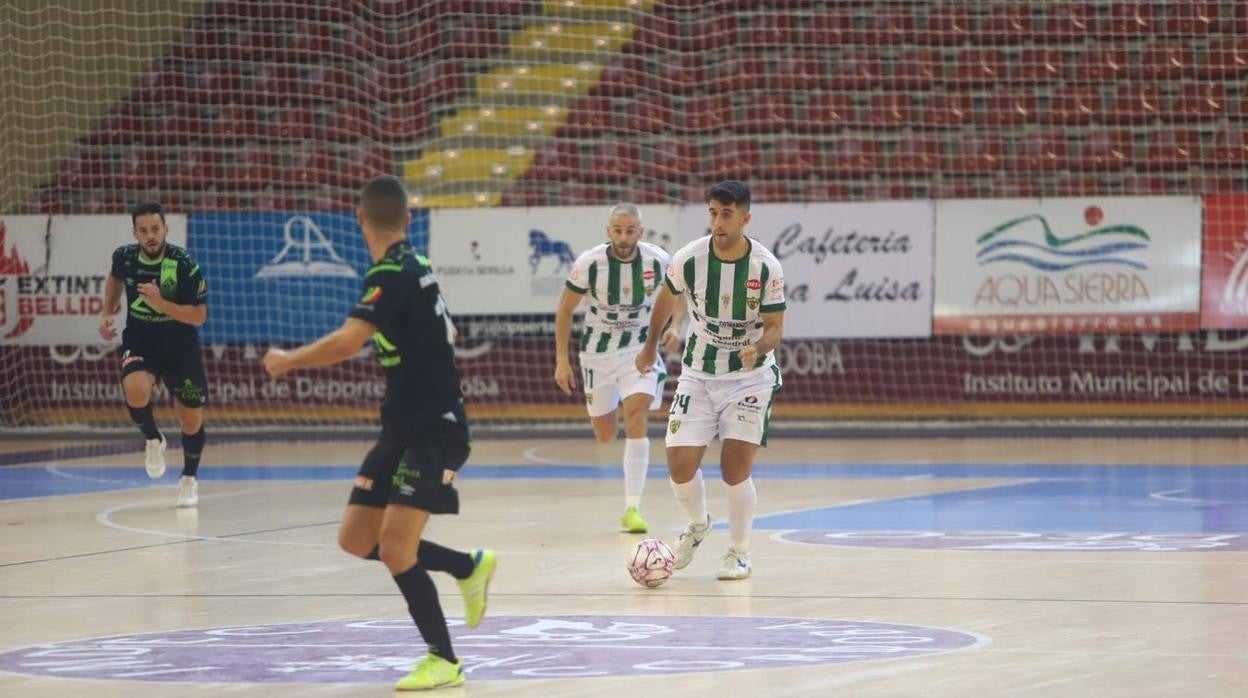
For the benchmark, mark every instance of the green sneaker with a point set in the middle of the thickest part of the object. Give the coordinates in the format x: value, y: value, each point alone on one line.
x: 631, y: 521
x: 432, y: 672
x: 477, y: 585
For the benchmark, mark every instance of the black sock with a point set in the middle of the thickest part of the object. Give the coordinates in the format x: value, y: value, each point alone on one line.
x: 147, y: 423
x: 439, y: 559
x: 422, y: 602
x: 192, y: 449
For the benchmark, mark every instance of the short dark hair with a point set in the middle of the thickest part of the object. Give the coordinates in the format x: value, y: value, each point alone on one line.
x: 384, y: 201
x: 146, y: 208
x: 730, y: 191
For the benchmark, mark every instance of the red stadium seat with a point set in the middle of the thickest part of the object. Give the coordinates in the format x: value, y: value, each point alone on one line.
x: 555, y: 161
x: 681, y: 74
x: 977, y: 154
x: 855, y: 70
x: 978, y: 66
x: 1143, y: 185
x: 1105, y: 151
x: 643, y: 194
x: 1081, y: 186
x: 196, y: 170
x: 826, y: 111
x: 654, y: 32
x: 1073, y: 106
x: 1012, y: 107
x: 213, y: 200
x: 887, y: 27
x: 917, y: 69
x: 1040, y: 152
x: 253, y: 169
x: 1134, y: 103
x: 142, y: 169
x: 621, y: 77
x: 824, y: 191
x: 828, y: 28
x: 915, y: 156
x: 1199, y: 102
x: 770, y: 30
x: 1067, y: 22
x: 949, y: 25
x: 671, y: 162
x: 733, y: 159
x: 1128, y: 20
x: 1015, y: 187
x: 770, y: 192
x: 769, y: 112
x: 588, y: 117
x: 1229, y: 149
x: 888, y: 110
x: 1036, y: 66
x: 1007, y: 24
x: 307, y: 167
x: 1100, y: 64
x: 740, y: 73
x: 1171, y: 150
x: 350, y: 121
x: 947, y: 110
x: 798, y: 71
x: 1225, y: 58
x: 581, y: 195
x: 403, y: 122
x: 792, y: 158
x: 523, y: 194
x: 236, y: 123
x: 613, y: 161
x: 1193, y: 18
x: 292, y: 124
x: 707, y: 114
x: 648, y: 114
x: 711, y: 31
x: 852, y: 156
x: 1165, y: 61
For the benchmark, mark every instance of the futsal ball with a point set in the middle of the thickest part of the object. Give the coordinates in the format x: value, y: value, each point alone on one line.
x: 651, y: 562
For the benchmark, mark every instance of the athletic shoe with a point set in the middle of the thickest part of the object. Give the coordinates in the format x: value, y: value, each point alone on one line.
x: 155, y: 462
x: 690, y: 539
x: 432, y: 672
x: 188, y: 491
x: 631, y: 521
x: 477, y: 585
x: 736, y: 565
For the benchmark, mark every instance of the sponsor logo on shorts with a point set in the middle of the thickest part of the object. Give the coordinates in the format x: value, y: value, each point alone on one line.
x: 673, y: 426
x: 364, y: 483
x: 129, y: 358
x: 589, y: 398
x: 190, y: 391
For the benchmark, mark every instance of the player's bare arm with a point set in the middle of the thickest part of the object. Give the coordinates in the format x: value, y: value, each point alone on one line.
x: 112, y: 306
x: 673, y: 335
x: 189, y: 314
x: 565, y: 377
x: 664, y: 304
x: 333, y: 348
x: 773, y: 329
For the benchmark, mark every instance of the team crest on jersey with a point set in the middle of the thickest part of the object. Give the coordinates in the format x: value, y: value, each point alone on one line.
x: 589, y: 398
x: 751, y: 303
x: 775, y: 284
x: 673, y: 426
x: 725, y: 299
x: 626, y: 291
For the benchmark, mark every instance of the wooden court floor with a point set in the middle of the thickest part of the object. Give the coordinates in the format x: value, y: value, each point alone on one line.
x: 908, y: 567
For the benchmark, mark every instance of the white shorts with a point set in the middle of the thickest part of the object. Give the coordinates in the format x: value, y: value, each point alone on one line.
x: 730, y: 408
x: 609, y: 378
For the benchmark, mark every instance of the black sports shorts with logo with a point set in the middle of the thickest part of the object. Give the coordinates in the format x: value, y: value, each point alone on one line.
x: 405, y: 465
x: 179, y: 365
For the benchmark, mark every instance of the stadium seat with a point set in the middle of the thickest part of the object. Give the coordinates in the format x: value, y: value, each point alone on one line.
x: 888, y: 110
x: 350, y: 121
x: 1036, y: 66
x: 1164, y: 61
x: 824, y: 191
x: 736, y: 159
x: 555, y: 161
x: 1134, y: 103
x: 403, y: 122
x: 770, y: 30
x: 1225, y: 58
x: 253, y: 169
x: 1039, y: 152
x: 671, y: 161
x: 949, y: 25
x: 142, y: 169
x: 1073, y: 185
x: 309, y: 167
x: 792, y: 158
x: 1008, y: 107
x: 710, y: 31
x: 828, y: 28
x: 886, y: 27
x: 770, y: 192
x: 1171, y: 149
x: 588, y: 117
x: 919, y: 155
x: 1191, y: 18
x: 797, y: 71
x: 947, y: 110
x: 643, y: 194
x: 769, y: 112
x: 1199, y: 102
x: 852, y: 156
x: 978, y: 66
x: 1100, y: 64
x: 648, y: 114
x: 1229, y: 148
x: 1143, y: 185
x: 1105, y: 151
x: 977, y: 155
x: 1128, y: 20
x: 197, y: 169
x: 621, y: 77
x: 1067, y: 22
x: 653, y: 33
x: 612, y: 161
x: 1007, y: 24
x: 917, y: 69
x: 826, y: 111
x: 707, y: 114
x: 524, y: 194
x: 858, y: 69
x: 1073, y: 106
x: 681, y: 74
x: 292, y: 124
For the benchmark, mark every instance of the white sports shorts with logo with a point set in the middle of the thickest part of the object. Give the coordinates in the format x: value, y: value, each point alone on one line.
x: 730, y: 408
x: 609, y: 378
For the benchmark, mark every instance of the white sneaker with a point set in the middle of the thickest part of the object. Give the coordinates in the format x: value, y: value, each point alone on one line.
x: 736, y: 565
x: 690, y: 538
x: 155, y: 462
x: 188, y: 492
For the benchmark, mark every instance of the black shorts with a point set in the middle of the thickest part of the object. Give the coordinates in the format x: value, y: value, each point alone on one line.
x: 180, y: 367
x: 405, y: 465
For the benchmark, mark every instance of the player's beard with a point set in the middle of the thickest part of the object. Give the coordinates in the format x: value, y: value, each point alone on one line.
x: 623, y: 254
x: 154, y: 255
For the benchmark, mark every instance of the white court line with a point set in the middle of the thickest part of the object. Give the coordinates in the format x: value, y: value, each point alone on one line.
x: 105, y: 518
x: 56, y: 470
x: 1168, y: 496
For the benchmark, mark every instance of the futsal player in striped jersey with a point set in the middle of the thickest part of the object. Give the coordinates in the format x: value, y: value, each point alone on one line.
x: 618, y: 280
x: 734, y: 290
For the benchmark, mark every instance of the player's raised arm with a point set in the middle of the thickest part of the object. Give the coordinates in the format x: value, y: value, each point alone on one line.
x: 112, y: 306
x: 333, y: 348
x: 565, y: 377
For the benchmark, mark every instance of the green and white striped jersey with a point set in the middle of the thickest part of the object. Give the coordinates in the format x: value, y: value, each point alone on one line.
x: 726, y: 301
x: 619, y: 294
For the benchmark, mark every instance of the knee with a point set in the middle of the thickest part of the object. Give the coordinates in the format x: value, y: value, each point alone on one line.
x: 354, y: 545
x: 603, y: 436
x: 396, y: 553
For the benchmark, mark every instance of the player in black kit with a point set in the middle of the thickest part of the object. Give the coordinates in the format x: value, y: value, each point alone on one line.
x: 424, y: 439
x: 166, y: 298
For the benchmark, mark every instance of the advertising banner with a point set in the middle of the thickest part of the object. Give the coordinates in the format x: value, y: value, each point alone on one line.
x: 282, y: 278
x: 1224, y: 267
x: 52, y: 273
x: 507, y: 260
x: 850, y: 269
x: 1054, y: 266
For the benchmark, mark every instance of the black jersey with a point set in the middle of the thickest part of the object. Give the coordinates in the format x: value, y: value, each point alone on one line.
x: 179, y: 279
x: 413, y: 338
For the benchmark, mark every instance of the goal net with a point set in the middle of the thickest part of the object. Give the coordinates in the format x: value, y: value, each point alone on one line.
x: 986, y: 210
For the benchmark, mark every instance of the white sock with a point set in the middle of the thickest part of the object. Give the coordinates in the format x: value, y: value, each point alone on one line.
x: 636, y: 463
x: 692, y: 498
x: 742, y: 502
